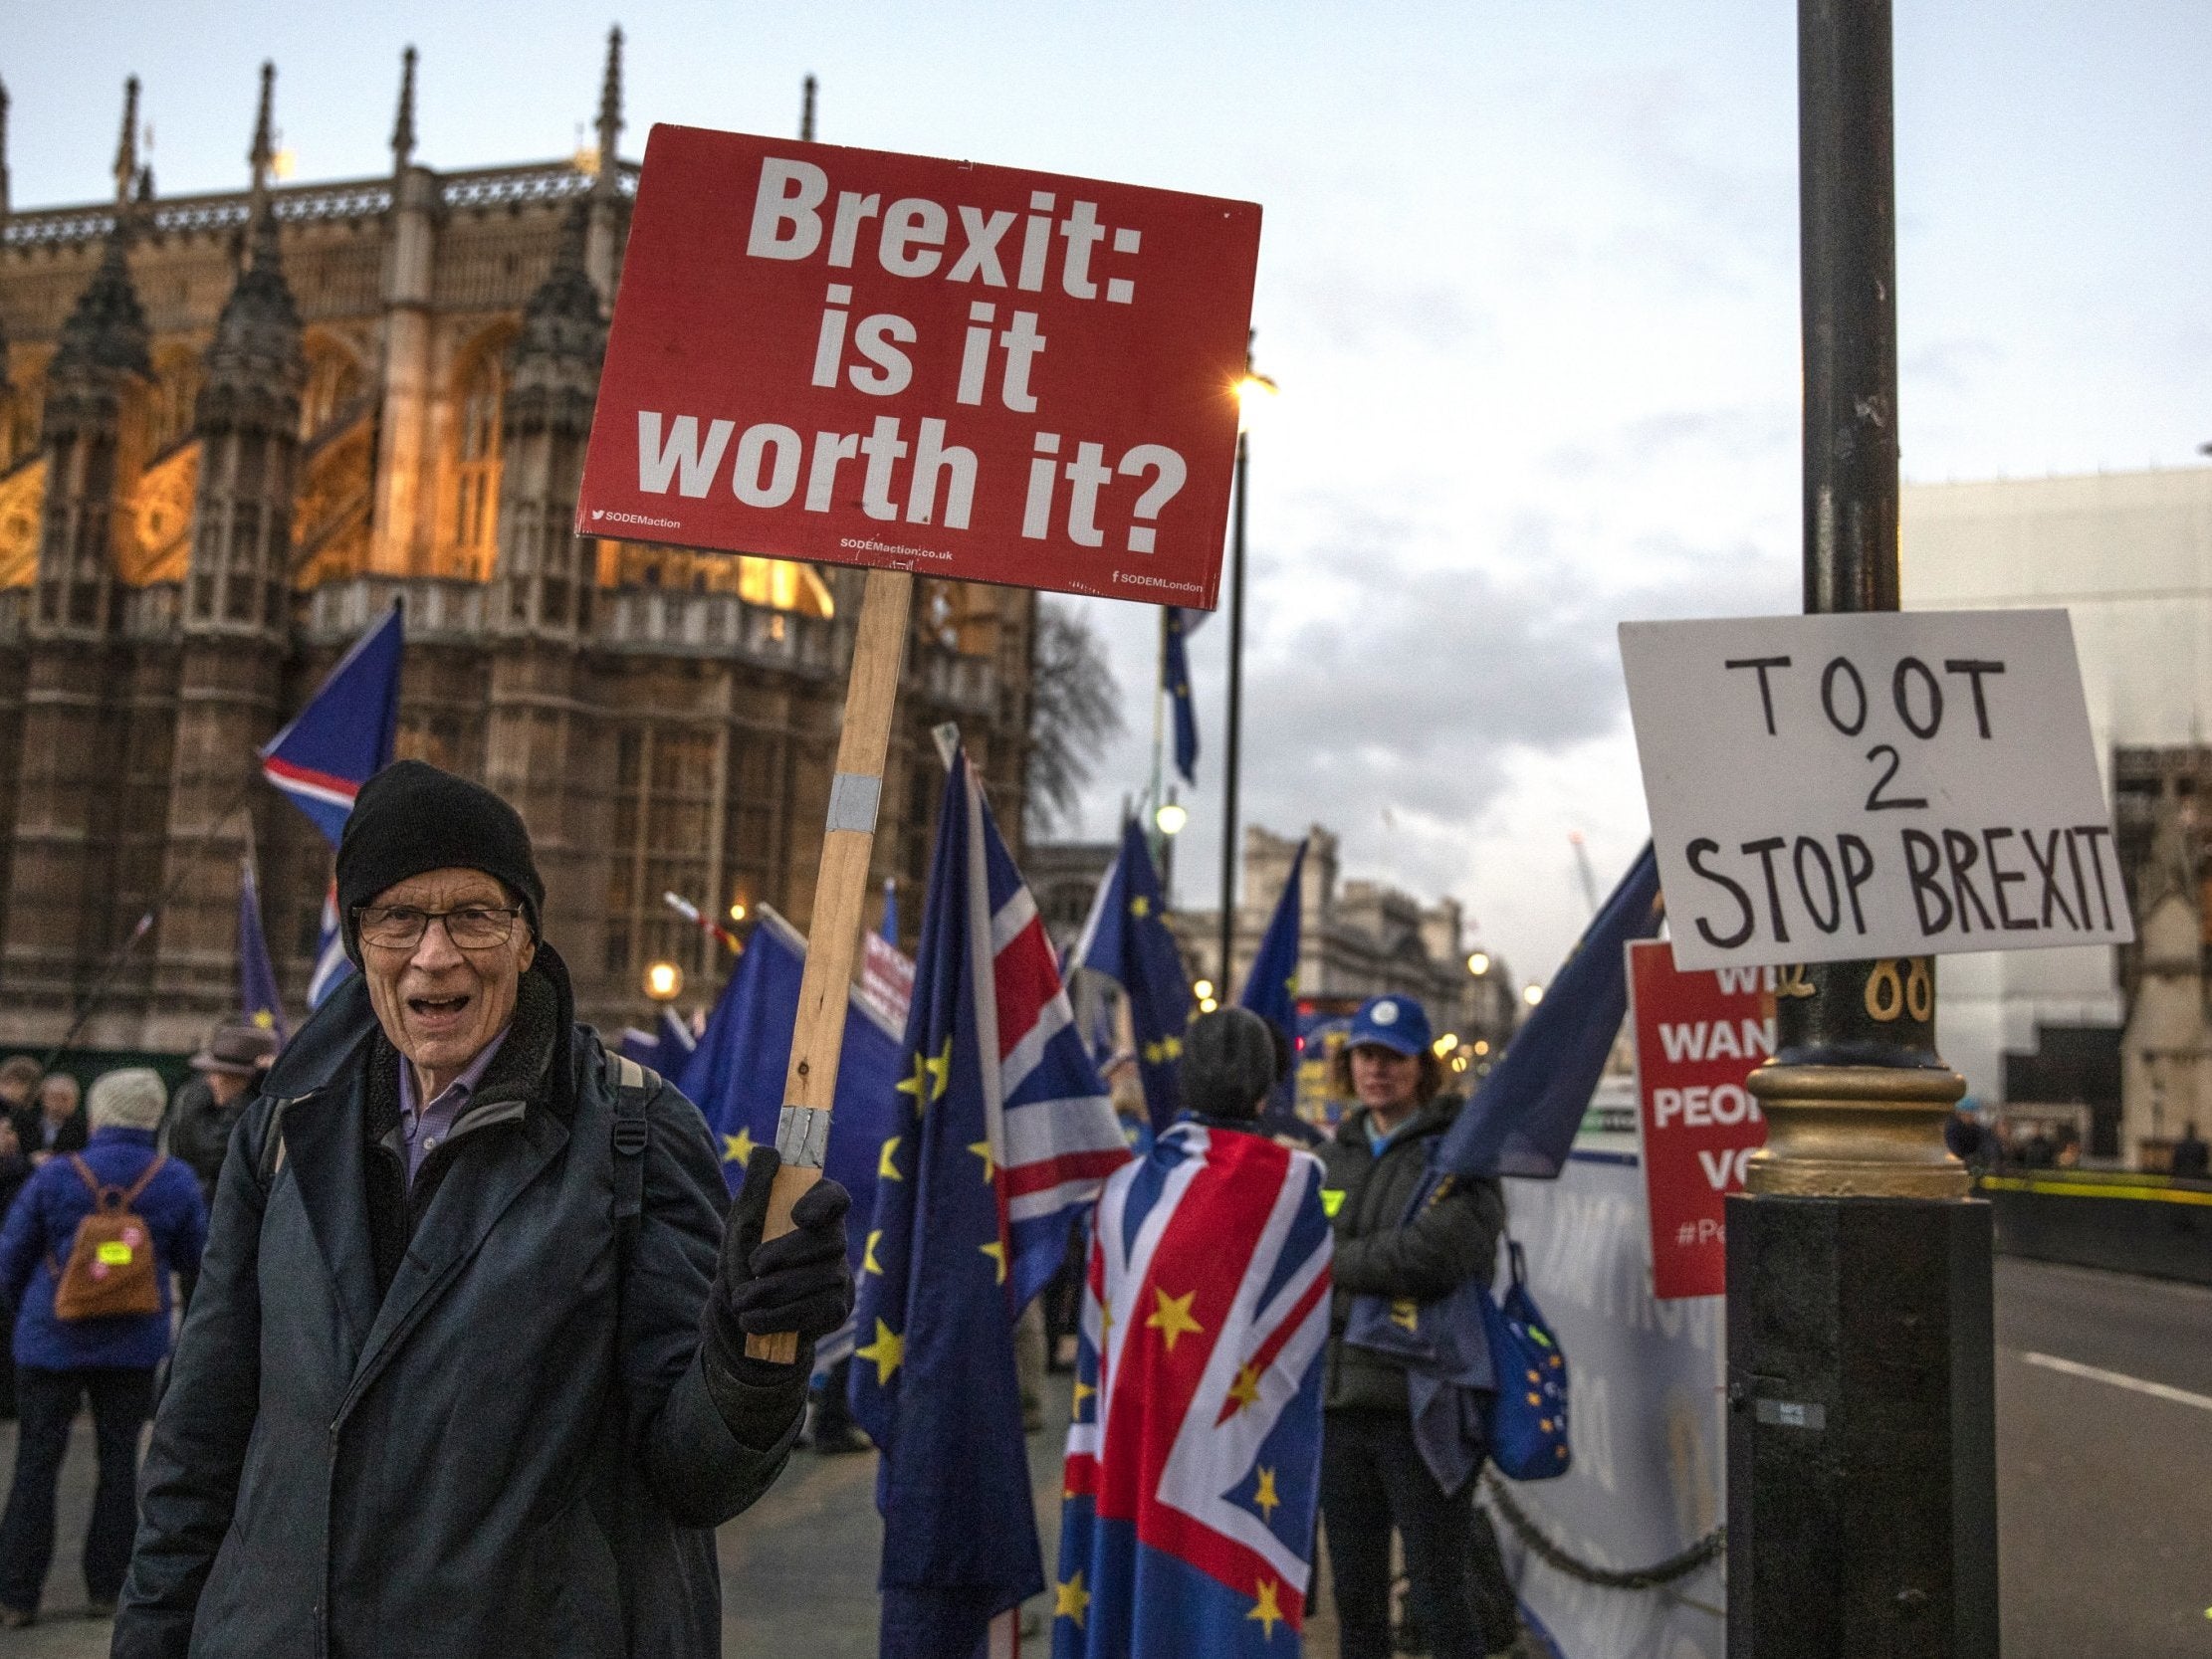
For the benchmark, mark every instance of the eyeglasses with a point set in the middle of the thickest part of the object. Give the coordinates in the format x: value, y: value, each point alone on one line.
x: 469, y: 927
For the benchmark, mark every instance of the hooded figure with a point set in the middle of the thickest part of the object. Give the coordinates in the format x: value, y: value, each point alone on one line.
x: 465, y: 1372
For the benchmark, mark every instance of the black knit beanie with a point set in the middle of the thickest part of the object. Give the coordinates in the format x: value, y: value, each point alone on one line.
x: 1228, y: 1064
x: 411, y: 818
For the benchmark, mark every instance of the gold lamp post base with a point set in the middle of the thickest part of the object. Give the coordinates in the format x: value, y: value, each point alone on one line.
x: 1855, y: 1132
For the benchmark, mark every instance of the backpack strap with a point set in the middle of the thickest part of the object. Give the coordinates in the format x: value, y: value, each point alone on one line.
x: 634, y: 1087
x: 84, y: 1175
x: 133, y: 1192
x: 272, y: 1145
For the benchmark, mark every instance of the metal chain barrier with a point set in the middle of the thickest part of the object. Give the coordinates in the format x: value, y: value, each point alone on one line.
x: 1641, y: 1578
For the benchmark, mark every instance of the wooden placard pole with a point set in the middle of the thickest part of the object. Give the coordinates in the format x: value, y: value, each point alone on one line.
x: 840, y: 887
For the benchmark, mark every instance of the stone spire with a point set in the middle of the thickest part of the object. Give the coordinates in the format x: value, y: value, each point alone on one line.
x: 127, y: 148
x: 806, y: 111
x: 403, y: 129
x: 609, y: 220
x: 107, y: 327
x: 610, y: 114
x: 248, y: 422
x: 263, y: 156
x: 562, y: 324
x: 254, y: 368
x: 93, y: 423
x: 545, y: 569
x: 3, y: 152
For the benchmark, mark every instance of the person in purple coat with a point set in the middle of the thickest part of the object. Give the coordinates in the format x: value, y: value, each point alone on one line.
x: 60, y: 1362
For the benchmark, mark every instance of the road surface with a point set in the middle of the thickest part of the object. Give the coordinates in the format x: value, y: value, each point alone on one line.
x: 2103, y: 1470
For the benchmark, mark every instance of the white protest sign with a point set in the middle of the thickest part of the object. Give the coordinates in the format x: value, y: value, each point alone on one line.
x: 1828, y: 788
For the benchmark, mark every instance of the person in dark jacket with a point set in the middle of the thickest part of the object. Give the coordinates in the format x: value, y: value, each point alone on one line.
x: 2192, y: 1159
x: 54, y: 1122
x: 1373, y: 1477
x: 465, y: 1374
x: 15, y: 1170
x: 226, y: 1074
x: 109, y: 1360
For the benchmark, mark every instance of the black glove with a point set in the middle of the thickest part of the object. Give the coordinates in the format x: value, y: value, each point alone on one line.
x: 800, y: 1282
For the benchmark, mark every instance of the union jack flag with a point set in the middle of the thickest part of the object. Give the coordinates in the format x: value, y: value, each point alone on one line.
x: 1000, y: 1132
x: 340, y: 740
x: 1194, y: 1461
x: 344, y: 737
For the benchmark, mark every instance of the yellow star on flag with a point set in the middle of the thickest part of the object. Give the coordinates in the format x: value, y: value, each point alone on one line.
x: 886, y: 1169
x: 1083, y: 1391
x: 1245, y: 1390
x: 982, y: 1149
x: 1071, y: 1600
x: 884, y: 1353
x: 1172, y: 1316
x: 1405, y: 1313
x: 265, y: 1020
x: 930, y: 1077
x: 1140, y: 906
x: 1265, y: 1500
x: 738, y: 1147
x: 1269, y: 1610
x: 868, y: 1262
x: 997, y: 1251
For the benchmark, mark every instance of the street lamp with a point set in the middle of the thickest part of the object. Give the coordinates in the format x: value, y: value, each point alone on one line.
x: 664, y: 981
x: 1253, y: 392
x: 1532, y: 994
x: 1170, y: 818
x: 1478, y: 964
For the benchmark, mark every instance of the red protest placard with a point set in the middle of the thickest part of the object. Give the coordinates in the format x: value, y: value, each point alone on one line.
x: 1697, y: 1036
x: 964, y: 372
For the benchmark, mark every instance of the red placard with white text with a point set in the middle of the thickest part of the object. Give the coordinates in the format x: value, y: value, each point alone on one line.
x: 1697, y: 1036
x: 964, y: 372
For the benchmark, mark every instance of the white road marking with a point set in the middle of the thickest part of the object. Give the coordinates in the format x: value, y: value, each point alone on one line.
x: 2119, y: 1380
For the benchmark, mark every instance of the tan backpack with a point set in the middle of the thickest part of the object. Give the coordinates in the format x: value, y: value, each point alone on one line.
x: 111, y: 1272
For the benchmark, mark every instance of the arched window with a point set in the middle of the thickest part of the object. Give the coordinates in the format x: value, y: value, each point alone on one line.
x: 334, y: 382
x: 177, y: 393
x: 475, y: 469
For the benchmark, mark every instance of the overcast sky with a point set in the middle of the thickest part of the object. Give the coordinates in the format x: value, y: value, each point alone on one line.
x: 1529, y: 281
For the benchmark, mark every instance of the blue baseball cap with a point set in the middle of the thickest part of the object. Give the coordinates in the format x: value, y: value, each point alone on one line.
x: 1398, y: 1023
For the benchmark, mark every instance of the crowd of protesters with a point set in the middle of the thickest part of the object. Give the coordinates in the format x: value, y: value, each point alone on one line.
x: 596, y: 1350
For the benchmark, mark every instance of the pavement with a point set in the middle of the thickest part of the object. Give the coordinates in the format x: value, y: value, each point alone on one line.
x: 2103, y: 1476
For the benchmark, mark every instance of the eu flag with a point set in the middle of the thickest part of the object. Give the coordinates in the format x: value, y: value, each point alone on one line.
x: 735, y: 1075
x: 1000, y: 1131
x: 1522, y: 1121
x: 1272, y: 984
x: 1127, y: 939
x: 257, y: 979
x: 1174, y: 681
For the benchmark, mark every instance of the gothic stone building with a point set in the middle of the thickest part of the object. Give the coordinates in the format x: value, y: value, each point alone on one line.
x: 234, y: 430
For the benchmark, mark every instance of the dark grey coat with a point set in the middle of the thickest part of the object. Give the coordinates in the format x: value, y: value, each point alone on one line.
x: 446, y: 1422
x: 1451, y: 1241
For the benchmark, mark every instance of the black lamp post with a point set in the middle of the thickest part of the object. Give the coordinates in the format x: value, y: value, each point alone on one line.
x: 1251, y: 387
x: 1862, y: 1489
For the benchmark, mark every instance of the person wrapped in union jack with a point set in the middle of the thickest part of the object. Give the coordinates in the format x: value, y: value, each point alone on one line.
x: 1194, y: 1458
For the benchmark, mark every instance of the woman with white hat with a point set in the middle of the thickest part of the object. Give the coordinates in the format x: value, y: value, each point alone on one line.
x: 64, y: 1356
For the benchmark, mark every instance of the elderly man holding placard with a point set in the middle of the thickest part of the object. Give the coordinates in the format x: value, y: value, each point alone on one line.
x: 465, y: 1371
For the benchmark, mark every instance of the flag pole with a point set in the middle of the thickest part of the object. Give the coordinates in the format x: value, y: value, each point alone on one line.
x: 104, y: 982
x: 840, y: 893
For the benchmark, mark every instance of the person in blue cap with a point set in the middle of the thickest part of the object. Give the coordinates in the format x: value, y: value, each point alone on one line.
x: 1373, y: 1477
